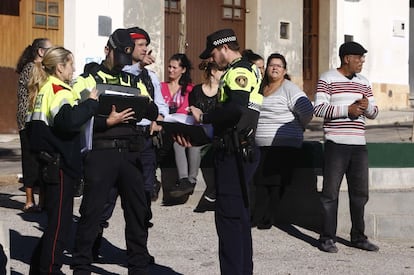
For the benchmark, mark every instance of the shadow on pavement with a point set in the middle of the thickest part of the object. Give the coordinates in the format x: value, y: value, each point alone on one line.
x: 6, y: 201
x: 294, y: 232
x: 9, y: 154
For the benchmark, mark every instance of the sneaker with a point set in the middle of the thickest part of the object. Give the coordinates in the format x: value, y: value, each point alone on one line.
x: 328, y: 246
x: 365, y: 245
x: 183, y: 187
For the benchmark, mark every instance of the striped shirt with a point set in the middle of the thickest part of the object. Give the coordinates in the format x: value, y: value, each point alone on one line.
x: 334, y: 93
x: 283, y: 117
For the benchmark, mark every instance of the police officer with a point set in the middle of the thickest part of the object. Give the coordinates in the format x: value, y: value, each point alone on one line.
x: 54, y: 123
x: 234, y: 124
x: 114, y: 159
x: 140, y: 58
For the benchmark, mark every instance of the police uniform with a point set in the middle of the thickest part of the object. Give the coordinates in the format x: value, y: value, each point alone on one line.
x: 113, y: 160
x: 240, y: 102
x: 53, y: 129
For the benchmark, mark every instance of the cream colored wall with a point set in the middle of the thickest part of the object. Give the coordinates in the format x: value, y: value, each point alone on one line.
x: 386, y: 64
x: 263, y: 35
x: 81, y: 31
x: 149, y: 15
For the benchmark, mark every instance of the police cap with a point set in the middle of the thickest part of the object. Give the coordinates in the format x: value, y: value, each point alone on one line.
x: 218, y: 38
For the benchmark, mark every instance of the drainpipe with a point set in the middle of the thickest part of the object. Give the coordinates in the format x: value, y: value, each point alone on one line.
x: 182, y: 37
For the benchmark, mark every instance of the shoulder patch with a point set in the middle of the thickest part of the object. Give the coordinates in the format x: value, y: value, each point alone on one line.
x: 57, y: 88
x: 241, y: 80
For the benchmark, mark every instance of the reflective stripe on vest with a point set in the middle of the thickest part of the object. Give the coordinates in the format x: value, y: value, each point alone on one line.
x: 51, y: 97
x: 85, y: 84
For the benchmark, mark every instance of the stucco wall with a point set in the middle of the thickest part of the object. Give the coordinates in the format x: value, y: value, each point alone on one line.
x: 265, y: 37
x: 149, y: 15
x: 81, y: 29
x: 388, y: 48
x: 387, y: 41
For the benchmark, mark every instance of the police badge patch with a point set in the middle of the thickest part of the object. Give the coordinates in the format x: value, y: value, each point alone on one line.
x: 241, y: 81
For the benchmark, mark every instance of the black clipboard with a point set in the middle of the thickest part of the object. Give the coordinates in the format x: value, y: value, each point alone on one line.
x: 195, y: 133
x: 122, y: 97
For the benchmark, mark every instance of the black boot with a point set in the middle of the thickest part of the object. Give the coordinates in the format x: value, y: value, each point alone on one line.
x: 206, y: 203
x: 182, y: 187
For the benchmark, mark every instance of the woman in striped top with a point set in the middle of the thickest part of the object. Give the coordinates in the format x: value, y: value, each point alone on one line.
x: 285, y: 112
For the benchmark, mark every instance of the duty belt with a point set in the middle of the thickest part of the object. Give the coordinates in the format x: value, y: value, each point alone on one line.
x: 143, y: 130
x: 120, y: 144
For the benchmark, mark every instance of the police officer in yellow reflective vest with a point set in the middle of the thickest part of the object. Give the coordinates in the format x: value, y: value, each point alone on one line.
x: 236, y: 156
x: 53, y: 123
x: 113, y: 160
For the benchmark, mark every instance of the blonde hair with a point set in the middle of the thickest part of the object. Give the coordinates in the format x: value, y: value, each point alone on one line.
x: 42, y: 70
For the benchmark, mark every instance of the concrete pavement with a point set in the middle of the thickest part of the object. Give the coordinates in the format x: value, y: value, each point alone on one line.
x: 184, y: 242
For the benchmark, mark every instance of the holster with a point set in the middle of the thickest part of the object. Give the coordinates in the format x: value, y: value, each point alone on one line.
x: 233, y: 141
x: 246, y: 143
x: 157, y: 140
x: 50, y: 167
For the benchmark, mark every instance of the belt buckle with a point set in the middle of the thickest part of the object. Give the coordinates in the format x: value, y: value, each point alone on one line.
x: 116, y: 143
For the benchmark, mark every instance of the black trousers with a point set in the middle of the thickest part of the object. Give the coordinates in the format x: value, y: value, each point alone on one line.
x: 148, y: 162
x: 232, y: 217
x: 103, y: 170
x: 273, y: 175
x: 30, y: 164
x: 47, y: 257
x: 352, y: 161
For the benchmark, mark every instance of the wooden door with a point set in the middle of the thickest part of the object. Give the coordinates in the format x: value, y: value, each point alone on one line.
x: 202, y: 18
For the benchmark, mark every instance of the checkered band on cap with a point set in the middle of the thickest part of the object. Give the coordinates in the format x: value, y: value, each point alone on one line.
x: 224, y: 40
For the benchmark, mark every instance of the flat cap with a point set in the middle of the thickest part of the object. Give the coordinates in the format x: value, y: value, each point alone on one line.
x: 351, y: 48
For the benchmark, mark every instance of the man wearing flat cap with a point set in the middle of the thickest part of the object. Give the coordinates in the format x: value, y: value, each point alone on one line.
x: 237, y: 117
x: 112, y: 161
x: 344, y: 99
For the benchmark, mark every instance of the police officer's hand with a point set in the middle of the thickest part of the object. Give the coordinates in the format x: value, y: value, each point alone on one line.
x: 181, y: 140
x: 196, y: 112
x: 93, y: 94
x: 121, y: 117
x: 155, y: 127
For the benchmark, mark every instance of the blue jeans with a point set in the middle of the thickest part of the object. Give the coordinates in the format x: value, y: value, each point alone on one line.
x: 351, y: 161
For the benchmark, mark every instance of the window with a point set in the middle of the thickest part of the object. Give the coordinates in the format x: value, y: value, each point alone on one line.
x: 232, y: 9
x: 46, y: 14
x: 284, y: 30
x: 172, y: 6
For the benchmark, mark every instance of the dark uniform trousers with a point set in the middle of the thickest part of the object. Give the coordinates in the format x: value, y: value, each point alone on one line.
x: 351, y: 160
x: 231, y: 216
x: 148, y: 162
x: 47, y: 257
x: 103, y: 169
